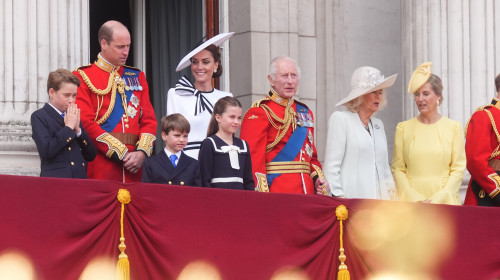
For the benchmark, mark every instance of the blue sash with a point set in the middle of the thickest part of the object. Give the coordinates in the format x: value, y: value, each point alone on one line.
x: 117, y: 113
x: 292, y: 147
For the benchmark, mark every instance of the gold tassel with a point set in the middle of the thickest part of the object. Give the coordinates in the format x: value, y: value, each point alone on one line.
x: 123, y: 267
x: 342, y: 215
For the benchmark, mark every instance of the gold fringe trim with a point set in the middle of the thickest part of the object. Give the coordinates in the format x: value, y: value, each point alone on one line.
x: 123, y: 267
x: 342, y: 215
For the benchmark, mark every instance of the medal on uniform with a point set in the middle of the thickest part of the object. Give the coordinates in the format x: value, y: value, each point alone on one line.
x: 127, y: 88
x: 138, y: 83
x: 311, y: 138
x: 134, y: 100
x: 131, y: 85
x: 310, y: 122
x: 309, y: 150
x: 131, y: 111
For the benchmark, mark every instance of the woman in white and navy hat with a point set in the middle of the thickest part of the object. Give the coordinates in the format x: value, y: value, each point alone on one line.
x: 356, y: 161
x: 195, y: 101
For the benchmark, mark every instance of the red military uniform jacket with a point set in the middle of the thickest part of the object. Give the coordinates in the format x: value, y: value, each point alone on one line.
x: 268, y: 127
x: 482, y: 147
x: 116, y: 112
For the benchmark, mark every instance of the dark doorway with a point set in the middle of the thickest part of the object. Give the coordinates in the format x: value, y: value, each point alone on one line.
x: 101, y: 11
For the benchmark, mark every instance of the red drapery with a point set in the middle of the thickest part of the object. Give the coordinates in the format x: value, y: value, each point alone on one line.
x: 62, y: 224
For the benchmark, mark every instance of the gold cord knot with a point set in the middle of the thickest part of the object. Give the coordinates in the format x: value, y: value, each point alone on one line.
x: 342, y: 213
x: 123, y: 196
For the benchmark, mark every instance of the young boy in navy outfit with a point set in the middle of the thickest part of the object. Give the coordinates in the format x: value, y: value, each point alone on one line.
x: 64, y: 147
x: 172, y: 166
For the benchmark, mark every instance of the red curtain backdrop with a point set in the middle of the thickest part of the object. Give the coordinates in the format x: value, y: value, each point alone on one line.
x: 62, y: 224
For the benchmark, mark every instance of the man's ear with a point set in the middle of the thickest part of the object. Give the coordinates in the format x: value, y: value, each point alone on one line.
x: 52, y: 92
x: 271, y: 81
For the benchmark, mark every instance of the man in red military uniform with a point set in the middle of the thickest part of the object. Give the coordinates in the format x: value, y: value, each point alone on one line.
x: 115, y: 109
x: 280, y: 133
x: 482, y: 148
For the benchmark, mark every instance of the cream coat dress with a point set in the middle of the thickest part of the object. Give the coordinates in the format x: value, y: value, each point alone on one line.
x: 356, y: 161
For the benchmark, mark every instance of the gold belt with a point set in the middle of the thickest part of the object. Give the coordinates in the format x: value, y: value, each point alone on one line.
x: 288, y: 167
x: 126, y: 138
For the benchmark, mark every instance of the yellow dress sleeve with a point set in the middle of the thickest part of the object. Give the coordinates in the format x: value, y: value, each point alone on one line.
x: 403, y: 189
x: 449, y: 194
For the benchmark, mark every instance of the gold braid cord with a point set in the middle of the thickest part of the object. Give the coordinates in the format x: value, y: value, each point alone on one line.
x: 496, y: 152
x: 342, y: 215
x: 123, y: 266
x: 282, y: 125
x: 114, y: 82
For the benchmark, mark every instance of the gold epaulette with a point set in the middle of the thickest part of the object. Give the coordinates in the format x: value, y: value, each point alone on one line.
x: 301, y: 103
x: 145, y: 144
x: 257, y: 103
x: 480, y: 108
x: 133, y: 68
x: 82, y: 67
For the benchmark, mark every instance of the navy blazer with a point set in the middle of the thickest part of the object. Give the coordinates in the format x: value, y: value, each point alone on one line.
x: 62, y: 153
x: 159, y: 169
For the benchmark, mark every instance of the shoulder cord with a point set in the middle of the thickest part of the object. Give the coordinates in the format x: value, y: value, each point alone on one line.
x: 288, y: 120
x: 496, y: 152
x: 114, y: 82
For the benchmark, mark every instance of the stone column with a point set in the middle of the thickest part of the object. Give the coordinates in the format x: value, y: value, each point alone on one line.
x: 266, y: 29
x: 37, y: 37
x: 461, y: 40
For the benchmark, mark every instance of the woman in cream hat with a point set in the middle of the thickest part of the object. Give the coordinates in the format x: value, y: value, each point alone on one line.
x: 196, y: 101
x: 429, y: 156
x: 356, y: 161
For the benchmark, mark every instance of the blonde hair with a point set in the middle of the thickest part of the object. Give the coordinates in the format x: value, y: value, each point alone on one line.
x: 354, y: 104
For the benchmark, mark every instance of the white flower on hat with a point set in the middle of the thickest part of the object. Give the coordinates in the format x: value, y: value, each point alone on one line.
x: 373, y: 79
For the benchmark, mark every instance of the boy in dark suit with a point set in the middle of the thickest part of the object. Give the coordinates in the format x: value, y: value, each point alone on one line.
x: 64, y: 147
x: 172, y: 166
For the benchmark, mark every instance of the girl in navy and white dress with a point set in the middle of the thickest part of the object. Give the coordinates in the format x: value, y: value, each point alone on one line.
x: 225, y: 159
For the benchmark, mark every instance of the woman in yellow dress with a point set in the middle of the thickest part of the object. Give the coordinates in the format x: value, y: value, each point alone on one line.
x: 429, y: 155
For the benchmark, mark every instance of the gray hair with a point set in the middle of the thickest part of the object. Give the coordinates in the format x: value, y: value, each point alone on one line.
x: 272, y: 66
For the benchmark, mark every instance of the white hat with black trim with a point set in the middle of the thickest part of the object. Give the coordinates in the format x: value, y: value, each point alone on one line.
x: 216, y: 40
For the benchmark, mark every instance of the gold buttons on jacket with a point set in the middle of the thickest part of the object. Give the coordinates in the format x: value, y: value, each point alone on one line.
x: 83, y: 163
x: 182, y: 183
x: 85, y: 142
x: 69, y: 148
x: 72, y: 163
x: 170, y: 182
x: 126, y: 126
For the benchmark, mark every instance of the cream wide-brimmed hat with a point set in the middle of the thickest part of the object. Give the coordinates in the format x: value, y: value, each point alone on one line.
x: 419, y: 77
x: 216, y: 40
x: 364, y: 80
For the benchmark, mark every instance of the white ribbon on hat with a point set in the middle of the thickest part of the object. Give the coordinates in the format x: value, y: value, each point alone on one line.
x: 233, y: 155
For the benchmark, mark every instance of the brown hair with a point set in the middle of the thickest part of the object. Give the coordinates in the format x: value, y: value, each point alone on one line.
x: 175, y: 122
x: 219, y: 108
x: 56, y: 78
x: 436, y: 85
x: 214, y: 50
